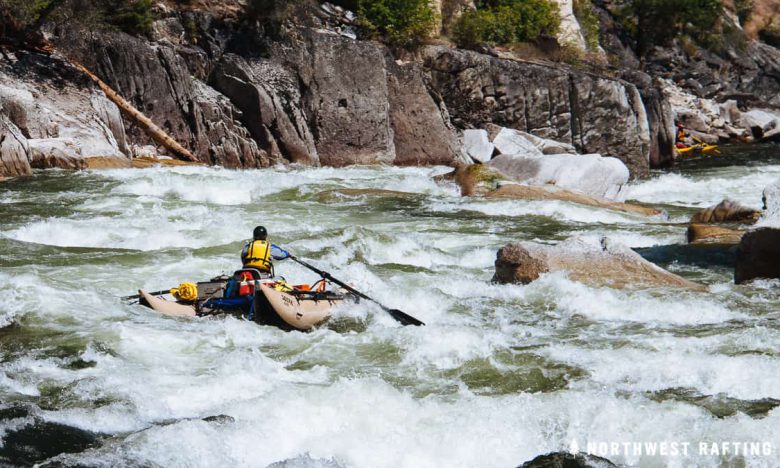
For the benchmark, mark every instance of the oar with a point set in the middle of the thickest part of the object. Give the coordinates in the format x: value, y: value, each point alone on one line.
x: 136, y: 296
x: 400, y: 316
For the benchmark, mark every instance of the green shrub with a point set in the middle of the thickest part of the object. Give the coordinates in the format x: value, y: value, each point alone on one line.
x: 131, y: 16
x: 20, y: 17
x: 403, y: 23
x: 506, y: 22
x: 589, y: 23
x: 657, y: 22
x: 744, y: 9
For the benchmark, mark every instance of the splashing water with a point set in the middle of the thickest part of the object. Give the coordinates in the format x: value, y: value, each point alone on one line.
x: 500, y: 374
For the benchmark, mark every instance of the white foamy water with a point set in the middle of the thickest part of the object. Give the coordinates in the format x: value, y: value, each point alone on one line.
x: 500, y: 374
x: 742, y: 184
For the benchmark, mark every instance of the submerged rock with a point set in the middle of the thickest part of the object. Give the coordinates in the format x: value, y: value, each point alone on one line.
x: 727, y: 211
x: 338, y: 195
x: 708, y: 234
x: 607, y: 263
x: 568, y: 460
x: 590, y: 174
x: 421, y: 131
x: 481, y: 180
x: 41, y: 440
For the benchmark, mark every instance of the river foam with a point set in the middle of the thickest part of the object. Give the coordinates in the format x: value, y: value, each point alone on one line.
x: 500, y: 374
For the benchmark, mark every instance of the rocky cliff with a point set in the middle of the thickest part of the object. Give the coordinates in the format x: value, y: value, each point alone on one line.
x: 313, y: 94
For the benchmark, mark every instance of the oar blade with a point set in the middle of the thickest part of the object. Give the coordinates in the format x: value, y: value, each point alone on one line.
x: 404, y: 319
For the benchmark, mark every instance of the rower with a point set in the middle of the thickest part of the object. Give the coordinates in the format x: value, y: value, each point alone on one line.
x: 680, y: 140
x: 257, y: 252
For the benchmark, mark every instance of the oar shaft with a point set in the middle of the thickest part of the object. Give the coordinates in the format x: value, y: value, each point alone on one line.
x: 398, y: 315
x: 154, y: 293
x: 328, y: 277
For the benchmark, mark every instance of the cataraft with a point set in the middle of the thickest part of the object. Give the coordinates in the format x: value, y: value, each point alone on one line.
x: 261, y: 298
x: 248, y: 294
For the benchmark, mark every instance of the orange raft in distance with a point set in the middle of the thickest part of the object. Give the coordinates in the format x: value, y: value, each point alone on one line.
x: 697, y: 149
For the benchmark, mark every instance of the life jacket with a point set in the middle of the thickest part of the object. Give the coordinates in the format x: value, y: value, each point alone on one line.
x: 258, y: 255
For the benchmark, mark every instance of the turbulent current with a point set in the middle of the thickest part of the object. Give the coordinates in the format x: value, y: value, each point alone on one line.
x: 499, y: 375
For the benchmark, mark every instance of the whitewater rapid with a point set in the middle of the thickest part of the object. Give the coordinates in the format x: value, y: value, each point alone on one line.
x: 499, y: 375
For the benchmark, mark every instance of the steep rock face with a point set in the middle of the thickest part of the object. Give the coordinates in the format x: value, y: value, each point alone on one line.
x: 157, y: 78
x: 315, y: 97
x: 748, y: 72
x: 346, y: 98
x: 14, y: 159
x: 660, y: 118
x: 268, y: 98
x: 54, y: 117
x: 595, y: 114
x: 570, y: 32
x: 420, y: 124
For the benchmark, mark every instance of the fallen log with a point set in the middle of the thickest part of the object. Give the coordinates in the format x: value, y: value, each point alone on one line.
x: 158, y: 135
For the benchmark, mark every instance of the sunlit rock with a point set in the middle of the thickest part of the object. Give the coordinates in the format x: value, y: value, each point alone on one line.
x: 709, y: 234
x: 477, y: 145
x: 509, y: 141
x: 14, y: 150
x: 481, y: 180
x: 606, y: 263
x: 727, y: 211
x: 590, y: 174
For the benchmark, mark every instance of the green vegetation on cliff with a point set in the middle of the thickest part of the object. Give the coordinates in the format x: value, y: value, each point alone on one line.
x: 657, y: 22
x: 506, y: 22
x: 403, y: 23
x: 19, y: 19
x: 589, y: 23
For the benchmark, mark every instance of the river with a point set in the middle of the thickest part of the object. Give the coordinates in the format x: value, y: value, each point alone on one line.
x: 499, y: 375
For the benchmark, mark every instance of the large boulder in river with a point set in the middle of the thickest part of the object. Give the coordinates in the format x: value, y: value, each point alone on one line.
x: 603, y: 263
x: 758, y: 254
x: 590, y: 174
x: 568, y: 460
x: 727, y: 211
x: 481, y: 180
x: 709, y: 234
